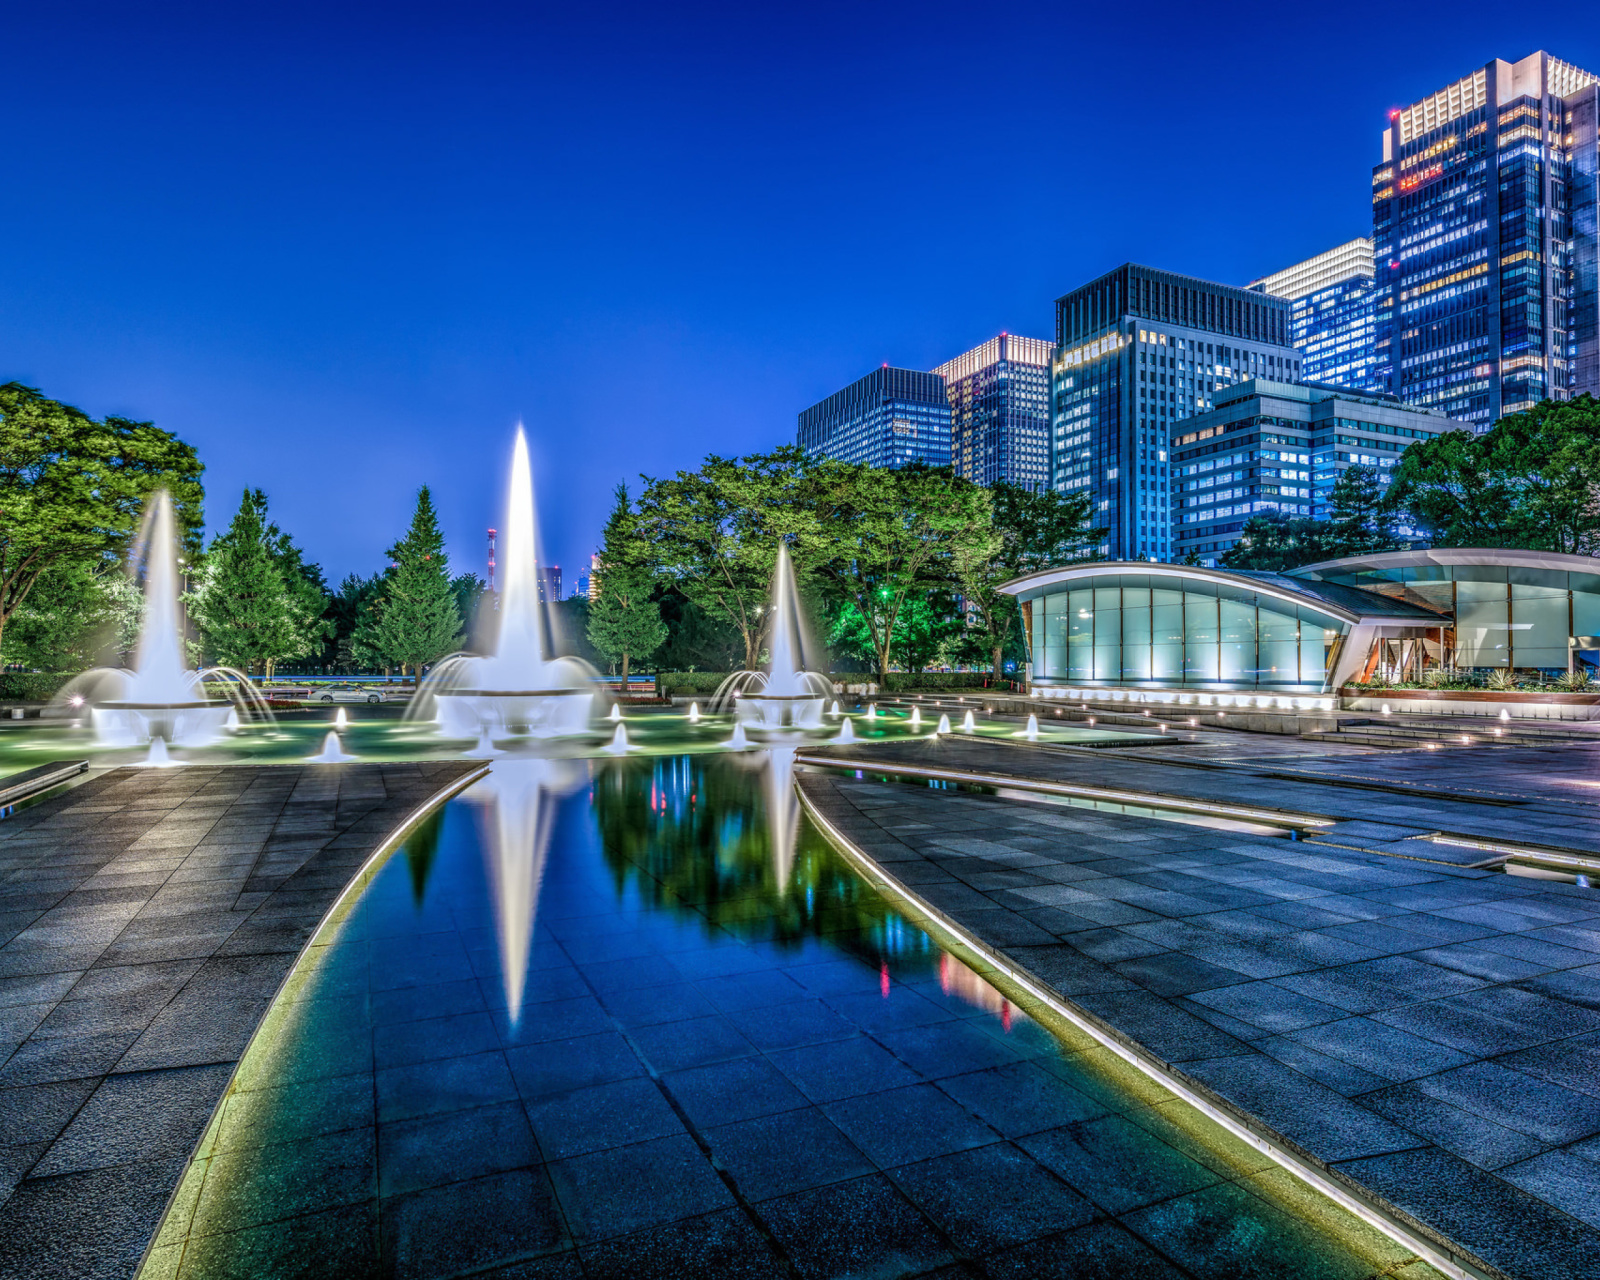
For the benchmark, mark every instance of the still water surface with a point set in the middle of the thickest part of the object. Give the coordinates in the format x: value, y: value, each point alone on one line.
x: 637, y: 1018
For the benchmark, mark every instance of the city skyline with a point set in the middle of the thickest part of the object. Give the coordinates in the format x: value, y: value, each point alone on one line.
x: 368, y: 314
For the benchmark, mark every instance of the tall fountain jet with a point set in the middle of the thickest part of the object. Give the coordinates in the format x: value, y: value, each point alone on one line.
x: 518, y: 689
x: 160, y: 699
x: 783, y: 697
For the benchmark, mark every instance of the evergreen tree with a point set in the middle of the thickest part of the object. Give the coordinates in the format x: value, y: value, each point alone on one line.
x: 247, y: 615
x: 1359, y: 521
x: 416, y: 621
x: 625, y: 622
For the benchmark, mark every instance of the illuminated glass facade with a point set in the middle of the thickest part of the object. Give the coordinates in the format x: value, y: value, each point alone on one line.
x: 1484, y: 238
x: 1139, y: 351
x: 889, y: 418
x: 1272, y: 446
x: 1181, y: 629
x: 1334, y: 322
x: 1000, y: 411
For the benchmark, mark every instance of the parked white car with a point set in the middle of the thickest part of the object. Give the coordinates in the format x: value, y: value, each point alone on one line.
x: 348, y: 693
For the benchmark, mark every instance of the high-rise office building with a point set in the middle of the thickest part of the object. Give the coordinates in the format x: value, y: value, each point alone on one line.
x: 1139, y: 351
x: 548, y: 577
x: 1483, y: 227
x: 1333, y: 324
x: 889, y: 418
x: 1277, y: 446
x: 999, y: 397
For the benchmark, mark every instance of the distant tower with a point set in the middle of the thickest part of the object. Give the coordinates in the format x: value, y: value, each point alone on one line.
x: 491, y: 559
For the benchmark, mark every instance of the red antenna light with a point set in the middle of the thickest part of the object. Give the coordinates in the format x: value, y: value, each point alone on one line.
x: 491, y: 559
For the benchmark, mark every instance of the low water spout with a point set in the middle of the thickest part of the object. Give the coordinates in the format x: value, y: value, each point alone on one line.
x: 616, y: 712
x: 157, y: 757
x: 943, y: 726
x: 916, y: 717
x: 847, y: 732
x: 332, y: 751
x: 694, y: 713
x: 738, y: 742
x: 1031, y: 733
x: 872, y: 711
x: 968, y: 724
x: 834, y: 710
x: 619, y: 741
x: 341, y: 721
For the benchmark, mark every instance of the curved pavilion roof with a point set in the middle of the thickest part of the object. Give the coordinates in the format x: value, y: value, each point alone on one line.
x: 1349, y: 604
x: 1497, y: 557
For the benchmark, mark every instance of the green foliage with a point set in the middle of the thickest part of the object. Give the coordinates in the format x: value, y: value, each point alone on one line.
x: 32, y: 686
x: 569, y: 625
x: 686, y: 684
x: 72, y: 619
x: 927, y: 629
x: 257, y: 601
x: 714, y: 533
x: 1036, y: 530
x: 695, y: 639
x: 475, y: 607
x: 625, y: 621
x: 1271, y: 542
x: 892, y: 536
x: 939, y: 681
x: 415, y: 619
x: 356, y: 598
x: 1532, y: 480
x: 72, y: 489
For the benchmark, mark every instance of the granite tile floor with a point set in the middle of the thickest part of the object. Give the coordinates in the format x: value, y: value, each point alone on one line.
x: 1429, y: 1030
x: 146, y: 919
x: 717, y: 1068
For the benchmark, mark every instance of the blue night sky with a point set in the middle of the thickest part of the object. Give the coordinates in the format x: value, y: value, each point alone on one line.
x: 342, y: 249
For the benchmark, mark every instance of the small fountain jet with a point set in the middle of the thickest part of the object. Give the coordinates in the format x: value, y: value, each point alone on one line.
x: 784, y: 697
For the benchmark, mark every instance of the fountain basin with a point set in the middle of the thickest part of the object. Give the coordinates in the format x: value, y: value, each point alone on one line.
x: 186, y: 724
x: 778, y: 710
x: 541, y: 713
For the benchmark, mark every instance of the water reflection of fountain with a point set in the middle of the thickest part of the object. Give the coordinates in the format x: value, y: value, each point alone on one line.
x: 160, y: 699
x: 783, y: 697
x: 517, y: 689
x: 518, y: 803
x: 783, y: 813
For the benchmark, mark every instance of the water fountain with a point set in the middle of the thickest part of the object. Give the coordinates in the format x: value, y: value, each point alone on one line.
x: 968, y: 723
x: 847, y: 732
x: 341, y: 722
x: 332, y: 751
x: 160, y: 699
x: 694, y: 713
x: 943, y: 726
x: 834, y: 709
x: 615, y: 714
x: 618, y: 746
x: 872, y: 711
x: 739, y: 741
x: 916, y: 717
x: 517, y: 689
x: 784, y: 697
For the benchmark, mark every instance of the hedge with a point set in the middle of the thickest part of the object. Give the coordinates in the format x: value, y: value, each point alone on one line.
x: 32, y: 686
x: 686, y: 684
x: 902, y: 682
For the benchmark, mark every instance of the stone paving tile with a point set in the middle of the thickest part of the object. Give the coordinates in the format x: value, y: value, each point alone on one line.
x: 1405, y: 1021
x: 134, y: 967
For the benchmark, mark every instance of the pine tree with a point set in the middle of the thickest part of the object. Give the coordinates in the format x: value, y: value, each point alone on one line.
x: 246, y: 613
x: 416, y: 620
x: 625, y: 623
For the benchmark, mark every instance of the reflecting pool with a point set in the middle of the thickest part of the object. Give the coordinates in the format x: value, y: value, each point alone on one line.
x: 635, y: 1017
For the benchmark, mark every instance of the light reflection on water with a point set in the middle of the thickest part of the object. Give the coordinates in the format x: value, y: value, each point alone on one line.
x: 593, y: 1001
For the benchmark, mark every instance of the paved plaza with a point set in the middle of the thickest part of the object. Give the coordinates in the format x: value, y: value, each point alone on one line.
x: 148, y: 918
x: 1428, y: 1030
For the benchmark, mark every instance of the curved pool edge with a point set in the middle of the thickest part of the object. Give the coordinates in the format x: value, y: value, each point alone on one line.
x: 148, y: 1267
x: 1438, y: 1250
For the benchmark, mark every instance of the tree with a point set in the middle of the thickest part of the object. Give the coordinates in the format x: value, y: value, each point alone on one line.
x: 1526, y: 482
x: 1035, y: 531
x: 73, y: 618
x: 1360, y: 521
x: 470, y: 591
x: 72, y: 489
x: 714, y: 533
x: 895, y: 534
x: 625, y: 621
x: 306, y: 593
x: 696, y: 641
x: 248, y: 617
x: 355, y: 599
x: 1271, y: 542
x: 415, y: 620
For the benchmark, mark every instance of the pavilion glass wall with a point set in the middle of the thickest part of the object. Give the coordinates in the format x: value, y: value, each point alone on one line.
x: 1504, y: 616
x: 1145, y: 629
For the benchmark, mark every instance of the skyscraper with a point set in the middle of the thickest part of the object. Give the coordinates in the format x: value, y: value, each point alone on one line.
x: 1335, y: 315
x: 1483, y: 228
x: 889, y: 418
x: 999, y: 397
x: 1275, y: 446
x: 1138, y: 351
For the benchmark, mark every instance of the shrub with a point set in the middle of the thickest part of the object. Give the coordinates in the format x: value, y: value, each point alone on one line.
x: 1578, y: 681
x: 1502, y: 679
x: 688, y: 684
x: 32, y: 686
x: 935, y: 681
